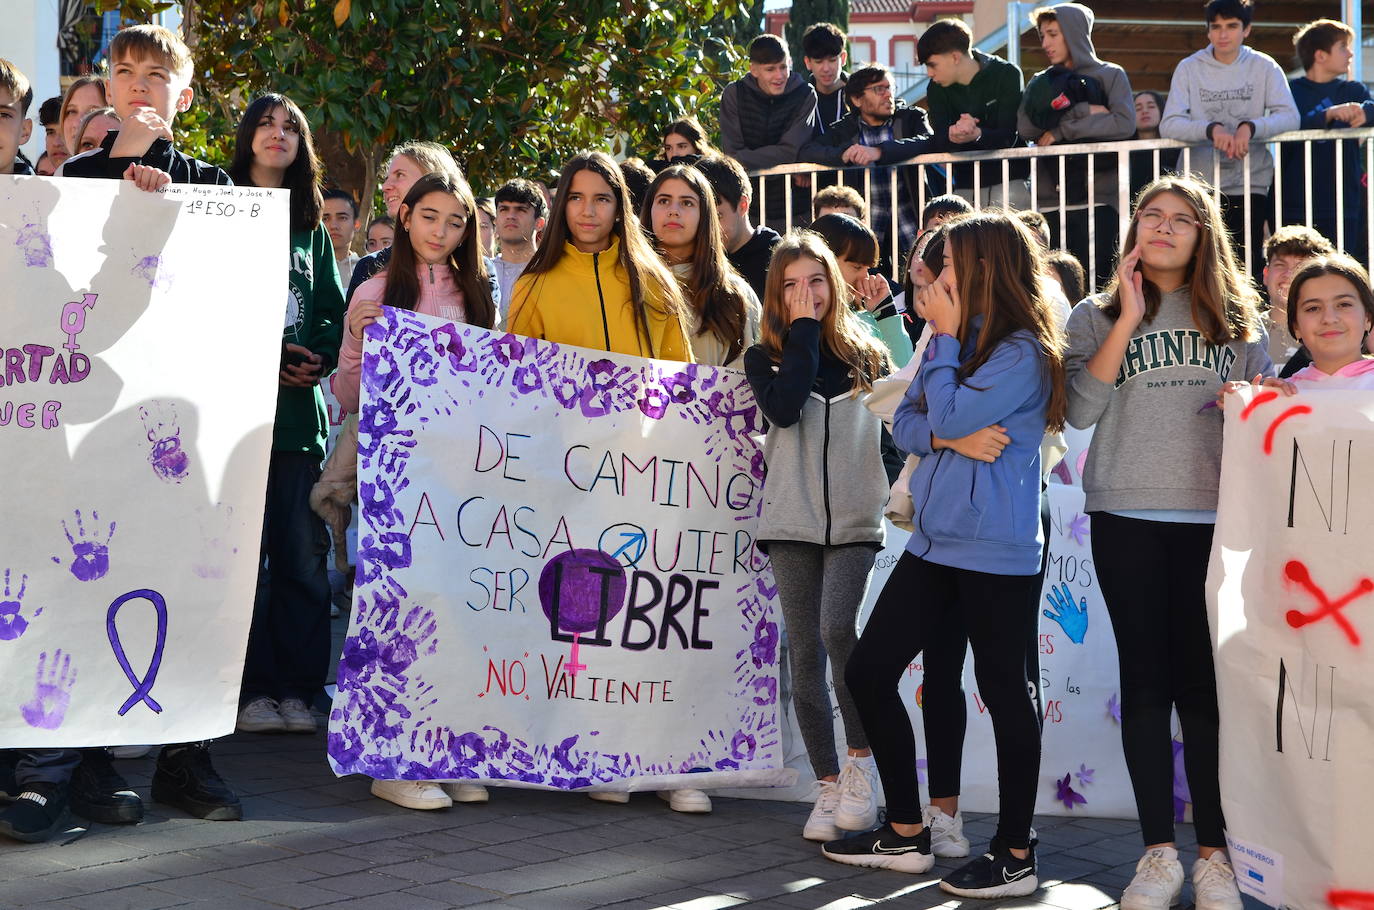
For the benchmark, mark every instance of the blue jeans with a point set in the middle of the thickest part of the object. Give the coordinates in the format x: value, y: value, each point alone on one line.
x: 36, y: 766
x: 288, y: 644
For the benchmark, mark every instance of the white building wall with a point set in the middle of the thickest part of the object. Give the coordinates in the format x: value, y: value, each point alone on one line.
x: 29, y: 41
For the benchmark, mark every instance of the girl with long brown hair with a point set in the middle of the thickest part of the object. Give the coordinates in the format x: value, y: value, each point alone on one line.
x: 1146, y: 361
x: 680, y: 213
x: 595, y: 281
x: 436, y: 268
x: 822, y: 523
x: 995, y: 361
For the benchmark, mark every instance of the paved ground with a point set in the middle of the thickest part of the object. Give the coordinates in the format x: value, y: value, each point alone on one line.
x: 311, y: 840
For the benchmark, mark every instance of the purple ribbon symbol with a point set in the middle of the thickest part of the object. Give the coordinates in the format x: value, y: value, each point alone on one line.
x: 143, y: 686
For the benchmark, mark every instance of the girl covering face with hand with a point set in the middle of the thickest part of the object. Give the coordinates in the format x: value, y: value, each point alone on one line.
x: 992, y: 370
x: 821, y: 523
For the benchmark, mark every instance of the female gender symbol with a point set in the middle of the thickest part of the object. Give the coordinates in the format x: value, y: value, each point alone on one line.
x: 142, y: 687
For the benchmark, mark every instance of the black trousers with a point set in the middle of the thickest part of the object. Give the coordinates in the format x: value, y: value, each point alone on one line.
x: 1153, y: 576
x: 944, y: 708
x: 288, y: 642
x: 918, y: 601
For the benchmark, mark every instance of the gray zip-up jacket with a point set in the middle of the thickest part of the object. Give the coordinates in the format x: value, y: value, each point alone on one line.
x: 1157, y: 442
x: 1251, y: 88
x: 826, y: 484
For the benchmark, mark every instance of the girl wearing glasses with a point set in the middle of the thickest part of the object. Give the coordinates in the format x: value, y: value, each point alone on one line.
x: 1146, y: 361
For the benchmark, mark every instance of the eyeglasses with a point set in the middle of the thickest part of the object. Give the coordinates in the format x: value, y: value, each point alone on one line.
x: 880, y: 88
x: 1179, y: 224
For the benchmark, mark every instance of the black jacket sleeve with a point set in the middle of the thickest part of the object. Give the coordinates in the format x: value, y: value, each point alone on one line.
x: 781, y: 393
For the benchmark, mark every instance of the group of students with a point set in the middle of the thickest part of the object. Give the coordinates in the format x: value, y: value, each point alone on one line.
x: 994, y: 364
x: 1226, y: 98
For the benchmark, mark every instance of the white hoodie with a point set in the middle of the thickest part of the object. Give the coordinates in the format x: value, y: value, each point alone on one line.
x: 1251, y: 88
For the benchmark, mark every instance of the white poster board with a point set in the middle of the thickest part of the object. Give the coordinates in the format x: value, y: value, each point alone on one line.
x: 1291, y: 605
x: 140, y: 383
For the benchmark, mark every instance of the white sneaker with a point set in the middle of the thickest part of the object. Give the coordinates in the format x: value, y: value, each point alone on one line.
x: 687, y: 800
x: 260, y: 716
x: 1157, y: 883
x: 609, y: 796
x: 129, y: 751
x: 464, y: 792
x: 413, y: 794
x: 857, y: 807
x: 820, y: 824
x: 1214, y: 884
x: 946, y: 832
x: 296, y: 716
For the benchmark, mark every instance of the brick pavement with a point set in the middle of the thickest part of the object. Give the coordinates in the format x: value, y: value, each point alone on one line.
x: 311, y: 840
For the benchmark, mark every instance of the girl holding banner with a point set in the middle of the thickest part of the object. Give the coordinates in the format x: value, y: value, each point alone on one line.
x: 822, y: 521
x: 994, y: 362
x: 1147, y: 359
x: 593, y: 252
x: 436, y: 268
x: 1331, y: 310
x: 680, y: 213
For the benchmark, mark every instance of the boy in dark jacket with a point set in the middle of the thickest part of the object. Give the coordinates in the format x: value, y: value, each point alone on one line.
x: 150, y: 83
x: 766, y: 117
x: 974, y: 98
x: 879, y: 131
x: 749, y: 248
x: 824, y: 55
x: 1327, y: 100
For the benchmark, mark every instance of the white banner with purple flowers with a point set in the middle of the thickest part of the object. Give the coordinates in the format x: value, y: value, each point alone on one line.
x: 137, y: 395
x: 558, y: 583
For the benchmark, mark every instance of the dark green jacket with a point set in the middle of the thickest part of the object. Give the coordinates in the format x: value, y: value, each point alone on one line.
x: 314, y: 320
x: 993, y: 97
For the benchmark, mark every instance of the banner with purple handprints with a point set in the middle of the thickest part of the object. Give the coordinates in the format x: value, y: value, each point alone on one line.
x: 138, y: 387
x: 558, y: 582
x: 1291, y: 608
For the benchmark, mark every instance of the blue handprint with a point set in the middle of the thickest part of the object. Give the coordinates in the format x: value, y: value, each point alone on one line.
x: 1072, y: 619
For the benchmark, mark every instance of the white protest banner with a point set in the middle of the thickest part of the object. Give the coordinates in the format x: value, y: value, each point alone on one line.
x: 557, y: 584
x: 1291, y: 606
x: 141, y: 349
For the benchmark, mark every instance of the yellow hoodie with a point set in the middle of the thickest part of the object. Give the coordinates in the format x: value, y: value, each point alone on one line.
x: 585, y: 301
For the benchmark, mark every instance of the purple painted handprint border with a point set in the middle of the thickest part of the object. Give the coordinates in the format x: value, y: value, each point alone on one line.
x: 427, y: 370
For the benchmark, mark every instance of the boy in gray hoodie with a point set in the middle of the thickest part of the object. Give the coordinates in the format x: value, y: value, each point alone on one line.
x: 1228, y: 96
x: 1066, y: 37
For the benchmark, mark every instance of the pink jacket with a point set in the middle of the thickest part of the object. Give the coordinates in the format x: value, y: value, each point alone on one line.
x: 439, y: 296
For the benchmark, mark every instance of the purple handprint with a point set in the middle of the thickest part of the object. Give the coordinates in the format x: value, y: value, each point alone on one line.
x: 52, y: 691
x: 12, y: 624
x: 169, y: 462
x: 90, y: 554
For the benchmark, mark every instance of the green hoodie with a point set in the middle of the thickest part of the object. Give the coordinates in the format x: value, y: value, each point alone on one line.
x: 314, y: 320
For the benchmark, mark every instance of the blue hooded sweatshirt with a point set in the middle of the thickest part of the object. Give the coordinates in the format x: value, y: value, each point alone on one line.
x: 970, y: 514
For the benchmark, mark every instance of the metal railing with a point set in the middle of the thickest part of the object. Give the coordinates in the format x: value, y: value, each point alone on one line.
x: 935, y: 172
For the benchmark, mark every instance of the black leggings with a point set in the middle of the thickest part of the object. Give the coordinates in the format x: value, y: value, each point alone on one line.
x: 918, y: 601
x: 1153, y: 576
x: 944, y: 706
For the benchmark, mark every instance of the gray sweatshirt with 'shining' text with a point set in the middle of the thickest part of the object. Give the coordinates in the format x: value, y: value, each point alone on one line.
x: 1157, y: 442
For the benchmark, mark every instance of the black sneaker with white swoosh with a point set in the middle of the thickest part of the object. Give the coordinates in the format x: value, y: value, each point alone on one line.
x: 996, y: 873
x: 883, y: 848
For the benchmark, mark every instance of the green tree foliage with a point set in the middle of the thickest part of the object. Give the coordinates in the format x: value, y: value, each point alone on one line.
x: 806, y: 13
x: 513, y: 87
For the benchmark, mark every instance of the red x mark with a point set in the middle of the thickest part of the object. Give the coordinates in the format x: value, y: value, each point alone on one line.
x: 1262, y: 398
x: 1351, y: 900
x: 1297, y: 572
